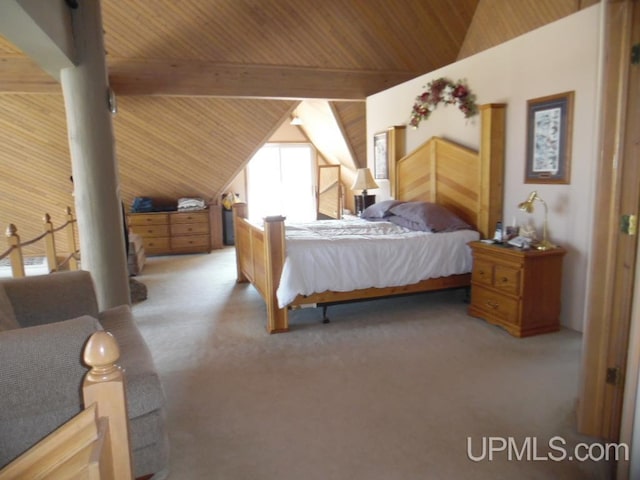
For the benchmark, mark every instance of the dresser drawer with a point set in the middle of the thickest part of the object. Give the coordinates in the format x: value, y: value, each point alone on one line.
x: 506, y: 279
x: 189, y: 229
x: 191, y: 217
x: 151, y: 230
x: 494, y: 304
x: 196, y: 242
x: 156, y: 244
x: 150, y: 219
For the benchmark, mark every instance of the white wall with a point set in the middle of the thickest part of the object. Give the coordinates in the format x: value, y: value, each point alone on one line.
x: 558, y: 57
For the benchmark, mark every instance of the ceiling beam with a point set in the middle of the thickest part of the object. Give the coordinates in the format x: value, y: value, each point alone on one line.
x: 42, y: 30
x: 194, y: 78
x: 198, y: 78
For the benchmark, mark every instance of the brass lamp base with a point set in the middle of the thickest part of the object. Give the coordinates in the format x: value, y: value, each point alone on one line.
x: 545, y: 245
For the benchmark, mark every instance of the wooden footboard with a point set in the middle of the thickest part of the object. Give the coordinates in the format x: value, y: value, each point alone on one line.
x: 260, y: 253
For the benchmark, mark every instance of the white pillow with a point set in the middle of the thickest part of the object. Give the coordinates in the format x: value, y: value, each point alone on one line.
x: 7, y: 316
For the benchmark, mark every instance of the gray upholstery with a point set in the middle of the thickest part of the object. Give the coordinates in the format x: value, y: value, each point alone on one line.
x: 7, y: 317
x: 50, y: 298
x: 41, y: 370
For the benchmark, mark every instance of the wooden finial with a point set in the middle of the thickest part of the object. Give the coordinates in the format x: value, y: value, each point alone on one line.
x: 11, y: 230
x: 47, y: 218
x: 101, y: 353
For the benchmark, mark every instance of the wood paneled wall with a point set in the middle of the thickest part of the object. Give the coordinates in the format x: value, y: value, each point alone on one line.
x: 166, y: 147
x: 496, y: 21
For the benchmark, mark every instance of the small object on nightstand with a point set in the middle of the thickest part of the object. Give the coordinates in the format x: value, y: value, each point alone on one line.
x: 497, y: 237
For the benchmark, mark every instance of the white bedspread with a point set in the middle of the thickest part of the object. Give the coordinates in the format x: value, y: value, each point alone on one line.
x: 343, y: 255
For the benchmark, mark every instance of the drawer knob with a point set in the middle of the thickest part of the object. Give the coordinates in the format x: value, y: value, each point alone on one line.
x: 504, y: 280
x: 492, y: 304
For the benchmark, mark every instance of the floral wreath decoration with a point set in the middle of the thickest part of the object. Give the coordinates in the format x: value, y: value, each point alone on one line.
x: 445, y: 91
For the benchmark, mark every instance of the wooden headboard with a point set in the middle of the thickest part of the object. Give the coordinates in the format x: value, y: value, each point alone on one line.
x: 468, y: 182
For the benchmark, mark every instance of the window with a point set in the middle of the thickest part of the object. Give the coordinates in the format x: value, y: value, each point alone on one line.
x: 280, y: 182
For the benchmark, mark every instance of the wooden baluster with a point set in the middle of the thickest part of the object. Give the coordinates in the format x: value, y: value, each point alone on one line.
x: 17, y: 262
x: 71, y: 240
x: 50, y: 244
x: 104, y: 386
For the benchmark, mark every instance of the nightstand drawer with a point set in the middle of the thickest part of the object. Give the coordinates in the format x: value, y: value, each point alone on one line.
x: 506, y: 279
x: 494, y: 304
x: 482, y: 272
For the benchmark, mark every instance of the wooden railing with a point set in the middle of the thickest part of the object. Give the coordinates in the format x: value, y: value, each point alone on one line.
x: 93, y: 445
x: 14, y: 252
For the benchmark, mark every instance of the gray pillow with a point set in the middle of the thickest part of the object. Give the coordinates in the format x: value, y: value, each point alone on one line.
x: 379, y: 210
x: 428, y: 217
x: 7, y: 316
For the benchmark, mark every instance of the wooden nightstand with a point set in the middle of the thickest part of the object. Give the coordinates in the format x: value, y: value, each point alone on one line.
x: 517, y: 289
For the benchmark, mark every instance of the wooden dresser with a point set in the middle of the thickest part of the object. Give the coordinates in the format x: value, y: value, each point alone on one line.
x: 172, y: 232
x: 517, y: 289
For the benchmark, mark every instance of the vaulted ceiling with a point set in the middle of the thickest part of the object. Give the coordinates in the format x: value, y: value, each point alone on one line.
x: 202, y: 84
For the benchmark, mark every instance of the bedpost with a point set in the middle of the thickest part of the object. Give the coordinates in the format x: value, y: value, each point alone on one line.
x: 274, y: 254
x: 491, y: 167
x: 240, y: 210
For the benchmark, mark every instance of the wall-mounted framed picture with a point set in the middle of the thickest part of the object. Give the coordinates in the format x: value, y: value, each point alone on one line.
x: 381, y: 155
x: 549, y: 134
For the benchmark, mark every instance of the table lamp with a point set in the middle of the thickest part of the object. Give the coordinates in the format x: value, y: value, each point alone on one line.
x: 364, y: 181
x: 527, y: 206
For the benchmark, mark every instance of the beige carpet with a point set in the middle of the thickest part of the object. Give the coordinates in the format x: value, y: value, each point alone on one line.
x: 391, y: 389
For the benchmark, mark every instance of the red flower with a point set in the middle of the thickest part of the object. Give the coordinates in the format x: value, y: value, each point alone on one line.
x: 460, y: 91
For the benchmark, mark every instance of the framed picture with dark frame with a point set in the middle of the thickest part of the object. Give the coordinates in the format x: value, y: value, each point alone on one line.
x: 549, y: 134
x: 381, y: 155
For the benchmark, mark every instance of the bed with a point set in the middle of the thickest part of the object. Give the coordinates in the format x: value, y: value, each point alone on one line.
x: 468, y: 183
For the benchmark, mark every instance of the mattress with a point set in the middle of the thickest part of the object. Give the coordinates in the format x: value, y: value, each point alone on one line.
x: 342, y: 256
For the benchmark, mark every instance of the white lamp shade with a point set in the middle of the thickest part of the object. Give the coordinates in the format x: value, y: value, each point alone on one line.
x: 364, y: 180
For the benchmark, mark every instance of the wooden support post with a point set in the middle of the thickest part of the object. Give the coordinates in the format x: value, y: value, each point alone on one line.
x: 240, y: 210
x: 71, y: 240
x: 50, y: 244
x: 104, y: 386
x: 17, y: 262
x: 274, y: 253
